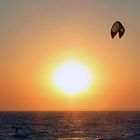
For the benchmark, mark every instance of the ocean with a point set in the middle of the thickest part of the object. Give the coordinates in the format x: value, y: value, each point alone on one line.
x: 69, y: 125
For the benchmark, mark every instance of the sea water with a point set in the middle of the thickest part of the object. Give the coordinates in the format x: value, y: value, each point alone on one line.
x: 70, y: 125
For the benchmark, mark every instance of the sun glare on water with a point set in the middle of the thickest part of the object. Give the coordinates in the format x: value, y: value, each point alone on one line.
x: 72, y: 78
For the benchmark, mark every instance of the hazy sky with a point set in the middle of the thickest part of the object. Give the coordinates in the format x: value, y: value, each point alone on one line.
x: 37, y: 35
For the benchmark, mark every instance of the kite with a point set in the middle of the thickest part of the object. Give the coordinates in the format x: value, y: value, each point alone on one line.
x: 117, y: 28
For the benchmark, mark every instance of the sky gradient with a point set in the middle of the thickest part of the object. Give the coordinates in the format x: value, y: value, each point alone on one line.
x: 38, y: 35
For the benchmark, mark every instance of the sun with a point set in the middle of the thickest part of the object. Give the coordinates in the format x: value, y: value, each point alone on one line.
x: 72, y: 77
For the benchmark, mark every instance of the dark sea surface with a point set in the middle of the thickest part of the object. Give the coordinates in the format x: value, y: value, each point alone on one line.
x: 70, y: 125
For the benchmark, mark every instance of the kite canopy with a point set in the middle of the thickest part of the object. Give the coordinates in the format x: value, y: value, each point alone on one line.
x: 117, y: 28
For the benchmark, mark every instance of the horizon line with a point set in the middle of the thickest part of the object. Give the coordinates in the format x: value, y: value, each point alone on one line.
x: 70, y: 110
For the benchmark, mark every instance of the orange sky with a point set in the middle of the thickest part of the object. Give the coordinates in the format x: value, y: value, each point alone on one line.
x: 37, y: 36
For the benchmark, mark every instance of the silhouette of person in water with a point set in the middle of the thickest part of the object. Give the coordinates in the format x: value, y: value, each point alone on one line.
x: 16, y: 129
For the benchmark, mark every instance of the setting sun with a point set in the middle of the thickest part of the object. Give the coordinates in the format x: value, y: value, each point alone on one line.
x: 72, y: 78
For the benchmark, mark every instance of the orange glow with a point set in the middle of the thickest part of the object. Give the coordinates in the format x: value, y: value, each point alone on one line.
x: 40, y: 38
